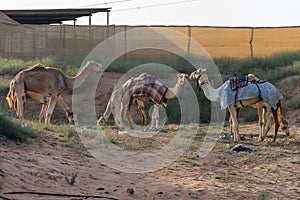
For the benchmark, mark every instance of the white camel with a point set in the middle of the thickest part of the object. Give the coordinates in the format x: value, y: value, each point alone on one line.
x: 45, y: 85
x: 265, y: 91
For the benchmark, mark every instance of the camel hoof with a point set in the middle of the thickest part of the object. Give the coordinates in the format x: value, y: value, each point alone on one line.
x: 122, y: 132
x: 260, y: 139
x: 101, y: 120
x: 287, y: 133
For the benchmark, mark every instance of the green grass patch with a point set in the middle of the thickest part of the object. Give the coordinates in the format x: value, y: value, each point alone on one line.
x: 272, y: 68
x: 14, y: 130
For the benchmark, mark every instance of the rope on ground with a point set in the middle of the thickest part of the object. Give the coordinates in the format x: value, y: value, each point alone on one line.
x: 58, y: 195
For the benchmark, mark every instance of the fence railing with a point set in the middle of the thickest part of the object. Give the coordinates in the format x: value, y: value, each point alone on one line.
x: 240, y: 42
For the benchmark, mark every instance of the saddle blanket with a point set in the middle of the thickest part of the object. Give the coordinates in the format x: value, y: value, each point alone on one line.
x: 238, y: 82
x: 149, y: 86
x: 265, y: 90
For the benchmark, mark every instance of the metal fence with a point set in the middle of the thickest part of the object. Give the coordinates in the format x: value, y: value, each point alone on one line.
x: 42, y: 40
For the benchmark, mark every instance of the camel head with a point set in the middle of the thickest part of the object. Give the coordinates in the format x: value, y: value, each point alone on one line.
x: 90, y: 68
x: 182, y: 78
x: 93, y: 66
x: 198, y: 75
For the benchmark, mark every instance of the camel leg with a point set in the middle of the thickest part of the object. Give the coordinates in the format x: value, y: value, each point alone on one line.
x: 141, y: 108
x: 155, y: 117
x: 41, y: 99
x: 44, y: 101
x: 63, y: 105
x: 230, y: 124
x: 121, y: 114
x: 267, y: 117
x: 261, y: 120
x: 107, y: 113
x: 43, y: 112
x: 233, y: 113
x: 20, y: 106
x: 238, y: 110
x: 51, y: 105
x: 112, y: 101
x: 277, y: 117
x: 19, y: 98
x: 276, y: 123
x: 127, y: 111
x: 123, y: 110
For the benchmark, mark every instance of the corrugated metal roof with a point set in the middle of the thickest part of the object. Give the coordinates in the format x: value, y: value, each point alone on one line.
x: 50, y: 16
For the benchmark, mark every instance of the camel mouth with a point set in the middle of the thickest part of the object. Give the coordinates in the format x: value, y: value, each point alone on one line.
x: 193, y: 75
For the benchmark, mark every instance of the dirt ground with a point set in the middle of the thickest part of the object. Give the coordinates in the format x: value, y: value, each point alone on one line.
x: 42, y: 165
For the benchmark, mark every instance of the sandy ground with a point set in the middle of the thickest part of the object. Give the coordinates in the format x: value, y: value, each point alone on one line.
x: 43, y: 163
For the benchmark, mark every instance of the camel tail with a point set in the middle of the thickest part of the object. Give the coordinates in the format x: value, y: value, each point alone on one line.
x: 10, y: 95
x: 277, y: 116
x: 9, y: 100
x: 279, y: 112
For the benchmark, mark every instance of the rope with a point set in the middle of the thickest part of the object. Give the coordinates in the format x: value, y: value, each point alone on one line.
x: 58, y: 195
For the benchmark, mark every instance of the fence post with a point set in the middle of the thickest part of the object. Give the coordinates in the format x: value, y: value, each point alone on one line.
x: 125, y: 41
x: 251, y: 40
x: 189, y: 42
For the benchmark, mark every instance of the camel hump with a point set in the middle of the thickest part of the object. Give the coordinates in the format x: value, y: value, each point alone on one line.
x: 253, y: 77
x: 38, y: 66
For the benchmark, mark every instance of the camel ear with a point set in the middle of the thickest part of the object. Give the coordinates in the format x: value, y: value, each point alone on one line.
x: 204, y: 70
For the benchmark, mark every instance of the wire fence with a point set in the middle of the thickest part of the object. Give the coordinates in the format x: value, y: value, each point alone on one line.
x: 42, y: 40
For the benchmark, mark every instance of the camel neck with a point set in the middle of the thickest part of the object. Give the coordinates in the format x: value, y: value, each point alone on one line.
x: 209, y: 92
x: 174, y: 91
x: 70, y: 82
x: 79, y: 78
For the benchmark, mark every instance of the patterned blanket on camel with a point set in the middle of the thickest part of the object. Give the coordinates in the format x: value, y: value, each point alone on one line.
x: 238, y: 82
x: 149, y: 86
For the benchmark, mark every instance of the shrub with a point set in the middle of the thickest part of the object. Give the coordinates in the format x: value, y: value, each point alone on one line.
x: 14, y: 130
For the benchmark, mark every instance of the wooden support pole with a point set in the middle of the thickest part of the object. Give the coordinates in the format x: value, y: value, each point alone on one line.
x: 251, y: 41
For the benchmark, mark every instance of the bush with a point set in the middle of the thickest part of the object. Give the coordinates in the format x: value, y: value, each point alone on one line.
x: 13, y: 130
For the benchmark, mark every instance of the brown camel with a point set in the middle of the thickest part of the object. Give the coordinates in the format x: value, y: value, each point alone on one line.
x: 264, y: 120
x: 149, y: 88
x: 219, y: 94
x: 45, y: 85
x: 44, y: 101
